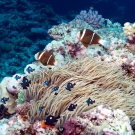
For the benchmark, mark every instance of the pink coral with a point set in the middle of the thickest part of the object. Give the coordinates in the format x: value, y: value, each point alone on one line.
x: 129, y: 66
x: 103, y: 120
x: 76, y: 126
x: 75, y: 50
x: 22, y: 108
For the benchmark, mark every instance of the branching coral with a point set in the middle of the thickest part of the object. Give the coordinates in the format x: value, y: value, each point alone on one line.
x: 91, y: 17
x: 93, y: 80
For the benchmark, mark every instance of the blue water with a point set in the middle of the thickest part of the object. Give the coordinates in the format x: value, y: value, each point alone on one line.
x: 121, y: 10
x: 18, y: 44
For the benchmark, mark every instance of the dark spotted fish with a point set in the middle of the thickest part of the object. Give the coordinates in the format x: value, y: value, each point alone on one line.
x: 90, y: 101
x: 72, y: 107
x: 51, y: 120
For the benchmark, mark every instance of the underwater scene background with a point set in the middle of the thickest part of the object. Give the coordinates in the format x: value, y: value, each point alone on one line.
x: 14, y: 25
x: 67, y: 67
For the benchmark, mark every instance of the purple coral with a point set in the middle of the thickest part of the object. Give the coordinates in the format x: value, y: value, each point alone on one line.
x: 91, y: 17
x: 131, y: 40
x: 77, y: 126
x: 75, y: 50
x: 102, y: 120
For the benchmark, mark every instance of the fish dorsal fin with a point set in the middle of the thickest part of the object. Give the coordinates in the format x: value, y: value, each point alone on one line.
x: 88, y: 32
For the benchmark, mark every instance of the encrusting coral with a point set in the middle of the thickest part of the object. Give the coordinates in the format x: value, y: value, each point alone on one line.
x: 101, y: 120
x: 92, y: 79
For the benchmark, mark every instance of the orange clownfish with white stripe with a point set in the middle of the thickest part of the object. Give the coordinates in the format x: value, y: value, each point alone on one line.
x: 45, y: 57
x: 89, y: 37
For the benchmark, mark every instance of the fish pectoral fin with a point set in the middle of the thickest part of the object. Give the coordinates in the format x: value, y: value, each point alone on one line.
x: 86, y: 45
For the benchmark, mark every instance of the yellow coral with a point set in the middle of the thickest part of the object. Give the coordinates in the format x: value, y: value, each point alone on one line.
x: 129, y: 29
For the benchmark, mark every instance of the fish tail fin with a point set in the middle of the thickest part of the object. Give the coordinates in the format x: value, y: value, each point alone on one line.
x: 105, y: 43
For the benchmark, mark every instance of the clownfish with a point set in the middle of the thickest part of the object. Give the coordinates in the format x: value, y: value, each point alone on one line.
x: 45, y: 57
x: 89, y: 37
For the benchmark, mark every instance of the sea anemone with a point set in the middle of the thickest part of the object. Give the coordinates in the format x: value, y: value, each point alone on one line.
x: 93, y: 79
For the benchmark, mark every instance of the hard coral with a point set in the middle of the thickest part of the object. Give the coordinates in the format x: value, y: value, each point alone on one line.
x: 129, y: 66
x: 131, y: 40
x: 91, y: 17
x: 74, y: 50
x: 3, y: 112
x: 103, y: 120
x: 13, y: 84
x: 129, y: 29
x: 77, y: 125
x: 11, y: 103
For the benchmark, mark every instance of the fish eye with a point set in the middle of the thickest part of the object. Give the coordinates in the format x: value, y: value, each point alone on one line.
x: 81, y: 32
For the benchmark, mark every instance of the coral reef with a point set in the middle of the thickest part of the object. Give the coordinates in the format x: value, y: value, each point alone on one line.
x: 19, y: 125
x: 10, y: 104
x: 91, y: 17
x: 13, y: 84
x: 86, y: 90
x: 129, y: 29
x: 23, y: 33
x: 94, y: 79
x: 100, y: 121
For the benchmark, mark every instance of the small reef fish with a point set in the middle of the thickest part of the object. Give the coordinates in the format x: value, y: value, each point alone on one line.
x: 40, y: 108
x: 55, y: 89
x: 72, y: 107
x: 17, y: 77
x: 45, y: 57
x: 50, y: 120
x: 25, y: 83
x: 30, y: 69
x: 3, y: 108
x: 90, y: 101
x: 46, y: 82
x: 69, y: 86
x: 92, y: 8
x: 4, y: 100
x: 89, y: 37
